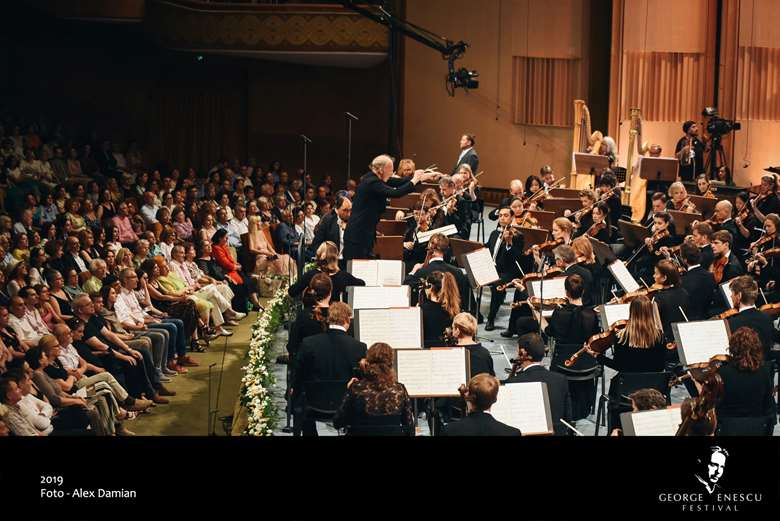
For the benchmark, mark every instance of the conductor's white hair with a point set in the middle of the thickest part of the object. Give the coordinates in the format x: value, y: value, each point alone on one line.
x: 379, y: 162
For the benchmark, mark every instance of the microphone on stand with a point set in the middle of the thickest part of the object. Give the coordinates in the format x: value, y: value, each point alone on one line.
x: 306, y: 139
x: 352, y: 116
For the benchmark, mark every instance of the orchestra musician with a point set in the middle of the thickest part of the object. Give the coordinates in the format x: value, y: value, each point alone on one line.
x: 607, y: 184
x: 312, y: 318
x: 639, y: 347
x: 480, y: 394
x: 438, y: 245
x: 747, y: 380
x: 722, y: 218
x: 458, y: 210
x: 506, y: 245
x: 644, y: 400
x: 563, y: 229
x: 765, y: 266
x: 600, y: 230
x: 583, y: 250
x: 468, y: 154
x: 690, y: 152
x: 702, y: 235
x: 371, y: 200
x: 697, y: 281
x: 414, y: 250
x: 548, y: 176
x: 672, y: 301
x: 744, y: 293
x: 725, y: 265
x: 679, y: 200
x: 572, y: 323
x: 746, y: 223
x: 663, y: 238
x: 515, y: 191
x: 465, y: 179
x: 582, y: 218
x: 530, y: 353
x: 464, y: 329
x: 767, y: 201
x: 566, y: 258
x: 657, y: 205
x: 327, y: 262
x: 704, y: 187
x: 406, y: 168
x: 533, y: 184
x: 441, y: 304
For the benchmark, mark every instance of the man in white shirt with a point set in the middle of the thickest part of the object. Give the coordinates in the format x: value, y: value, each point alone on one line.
x: 149, y: 209
x: 27, y: 324
x: 233, y: 233
x: 239, y: 220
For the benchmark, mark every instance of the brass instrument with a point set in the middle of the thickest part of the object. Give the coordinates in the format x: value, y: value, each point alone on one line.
x: 584, y: 141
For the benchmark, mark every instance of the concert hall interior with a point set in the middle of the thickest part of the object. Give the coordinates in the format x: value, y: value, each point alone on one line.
x: 389, y: 218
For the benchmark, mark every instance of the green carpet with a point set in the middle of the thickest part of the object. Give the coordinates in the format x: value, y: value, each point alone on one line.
x: 187, y: 414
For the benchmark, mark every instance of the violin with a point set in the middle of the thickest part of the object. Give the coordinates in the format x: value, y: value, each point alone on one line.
x: 546, y: 246
x: 633, y: 295
x: 717, y: 267
x: 595, y: 228
x: 763, y: 240
x: 698, y: 372
x: 536, y: 302
x: 600, y: 342
x: 526, y: 219
x: 685, y: 206
x: 773, y: 310
x: 555, y: 270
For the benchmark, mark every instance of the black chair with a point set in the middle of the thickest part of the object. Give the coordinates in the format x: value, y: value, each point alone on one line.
x: 477, y: 214
x: 323, y: 398
x: 378, y: 426
x: 624, y: 384
x: 746, y: 426
x: 583, y: 377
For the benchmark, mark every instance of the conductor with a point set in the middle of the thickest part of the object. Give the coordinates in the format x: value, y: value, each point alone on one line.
x: 370, y: 201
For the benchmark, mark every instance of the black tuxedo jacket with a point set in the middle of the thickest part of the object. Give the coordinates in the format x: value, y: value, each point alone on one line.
x: 332, y: 355
x: 471, y: 158
x: 367, y: 207
x: 733, y: 268
x: 557, y: 390
x: 572, y: 324
x: 669, y: 303
x: 507, y: 259
x: 706, y: 256
x: 479, y: 424
x: 758, y: 322
x: 700, y: 286
x: 327, y: 230
x: 464, y: 286
x: 460, y: 217
x: 69, y: 263
x: 731, y: 227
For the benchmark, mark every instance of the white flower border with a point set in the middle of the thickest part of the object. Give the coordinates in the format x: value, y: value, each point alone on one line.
x: 258, y: 380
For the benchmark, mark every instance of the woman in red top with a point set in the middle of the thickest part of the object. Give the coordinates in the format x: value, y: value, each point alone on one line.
x: 221, y: 254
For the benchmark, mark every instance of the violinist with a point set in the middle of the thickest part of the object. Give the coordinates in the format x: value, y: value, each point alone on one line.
x: 480, y: 394
x: 506, y: 246
x: 520, y: 212
x: 639, y: 347
x: 722, y: 218
x: 697, y: 281
x: 704, y: 187
x: 547, y: 174
x: 327, y: 262
x: 562, y: 228
x: 747, y: 381
x: 644, y: 400
x: 607, y: 184
x: 657, y: 245
x: 679, y: 200
x: 746, y: 223
x: 725, y: 265
x: 702, y: 235
x: 657, y: 205
x: 515, y: 191
x: 533, y: 184
x: 414, y: 251
x: 464, y: 329
x: 438, y: 245
x: 466, y: 181
x: 566, y: 259
x: 767, y: 201
x: 583, y: 249
x: 441, y: 304
x: 767, y: 268
x: 673, y: 300
x: 600, y: 229
x: 529, y: 368
x: 583, y: 219
x: 458, y: 210
x: 572, y: 323
x: 744, y: 293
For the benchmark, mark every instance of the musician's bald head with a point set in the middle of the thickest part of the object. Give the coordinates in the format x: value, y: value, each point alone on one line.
x: 516, y: 187
x: 723, y: 209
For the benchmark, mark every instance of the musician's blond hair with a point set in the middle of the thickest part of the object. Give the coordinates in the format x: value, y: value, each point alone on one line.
x: 564, y: 224
x: 644, y: 328
x: 583, y: 248
x: 677, y: 187
x: 466, y: 324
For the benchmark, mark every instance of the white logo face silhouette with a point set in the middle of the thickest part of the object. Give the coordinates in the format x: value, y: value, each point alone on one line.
x: 715, y: 468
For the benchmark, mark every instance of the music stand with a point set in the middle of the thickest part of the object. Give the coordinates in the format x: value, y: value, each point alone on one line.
x: 534, y: 236
x: 559, y: 205
x: 602, y: 251
x: 565, y: 193
x: 390, y: 211
x: 705, y: 205
x: 633, y: 234
x: 587, y: 166
x: 658, y: 169
x: 389, y: 247
x: 544, y: 218
x: 461, y: 247
x: 682, y: 220
x: 388, y: 227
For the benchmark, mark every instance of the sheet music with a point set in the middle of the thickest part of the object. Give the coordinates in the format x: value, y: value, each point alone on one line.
x: 524, y: 406
x: 432, y: 372
x: 724, y: 288
x: 614, y: 312
x: 400, y: 328
x: 663, y: 422
x: 697, y: 342
x: 378, y: 272
x: 482, y: 267
x: 365, y: 297
x: 448, y: 230
x: 553, y: 288
x: 623, y: 277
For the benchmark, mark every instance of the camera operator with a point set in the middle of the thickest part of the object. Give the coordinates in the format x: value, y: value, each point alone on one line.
x: 690, y: 152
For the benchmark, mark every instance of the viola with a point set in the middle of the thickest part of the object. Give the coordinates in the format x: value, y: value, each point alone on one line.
x: 600, y: 342
x: 717, y: 267
x: 546, y: 246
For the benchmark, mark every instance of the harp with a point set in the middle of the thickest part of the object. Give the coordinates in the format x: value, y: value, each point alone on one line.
x: 584, y: 141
